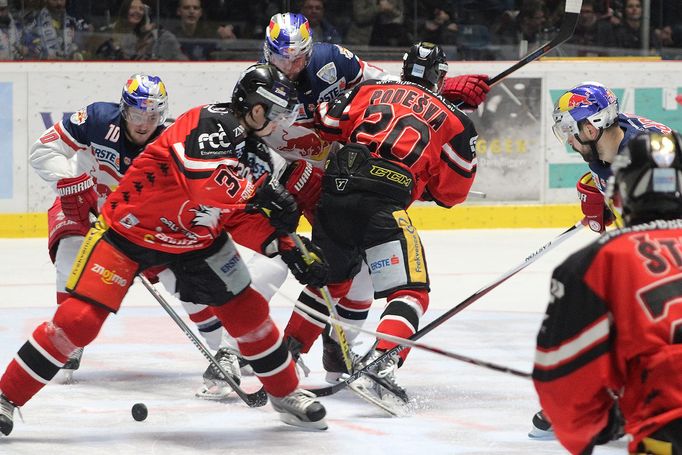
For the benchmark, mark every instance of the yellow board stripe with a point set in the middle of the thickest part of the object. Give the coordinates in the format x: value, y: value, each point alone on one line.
x: 18, y: 225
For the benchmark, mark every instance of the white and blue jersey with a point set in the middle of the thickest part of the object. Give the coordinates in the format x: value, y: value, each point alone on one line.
x: 90, y: 141
x: 332, y: 69
x: 631, y: 125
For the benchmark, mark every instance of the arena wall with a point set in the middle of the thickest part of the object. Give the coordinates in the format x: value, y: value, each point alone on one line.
x: 527, y: 175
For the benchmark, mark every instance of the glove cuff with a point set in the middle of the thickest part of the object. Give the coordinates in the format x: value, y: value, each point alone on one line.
x: 74, y: 185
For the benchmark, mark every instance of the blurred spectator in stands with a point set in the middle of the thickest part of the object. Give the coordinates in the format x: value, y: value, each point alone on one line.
x: 10, y: 39
x: 363, y: 17
x: 98, y: 13
x: 525, y: 28
x: 441, y: 27
x: 389, y: 25
x: 136, y: 37
x: 197, y: 38
x: 592, y: 31
x: 323, y: 30
x: 53, y: 34
x: 628, y: 34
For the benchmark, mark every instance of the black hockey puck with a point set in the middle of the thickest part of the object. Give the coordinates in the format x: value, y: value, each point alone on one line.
x: 139, y: 412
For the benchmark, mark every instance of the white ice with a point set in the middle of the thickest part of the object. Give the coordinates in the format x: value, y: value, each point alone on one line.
x: 142, y: 356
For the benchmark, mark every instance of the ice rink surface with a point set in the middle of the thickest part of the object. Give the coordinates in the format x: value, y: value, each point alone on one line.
x: 142, y: 356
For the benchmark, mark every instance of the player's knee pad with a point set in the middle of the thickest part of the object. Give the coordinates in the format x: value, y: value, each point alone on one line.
x: 80, y: 321
x: 244, y: 313
x: 267, y: 274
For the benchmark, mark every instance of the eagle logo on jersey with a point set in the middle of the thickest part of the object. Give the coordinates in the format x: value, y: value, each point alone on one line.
x: 202, y: 220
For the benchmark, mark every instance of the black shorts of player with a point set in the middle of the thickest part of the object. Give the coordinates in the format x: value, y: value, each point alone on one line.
x: 210, y: 276
x: 666, y: 440
x: 361, y: 216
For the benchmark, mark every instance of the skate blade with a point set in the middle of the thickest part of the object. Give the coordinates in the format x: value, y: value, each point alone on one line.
x: 395, y: 406
x: 214, y: 393
x: 292, y: 420
x: 541, y: 435
x: 334, y: 377
x: 66, y: 377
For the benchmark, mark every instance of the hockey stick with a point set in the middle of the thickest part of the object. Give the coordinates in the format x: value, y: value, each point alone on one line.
x: 324, y: 391
x: 340, y: 334
x: 408, y: 342
x: 570, y: 20
x: 255, y: 399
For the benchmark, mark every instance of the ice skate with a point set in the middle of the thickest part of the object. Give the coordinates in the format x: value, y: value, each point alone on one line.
x: 6, y: 415
x: 542, y: 428
x: 378, y: 385
x: 300, y: 409
x: 332, y: 360
x: 215, y: 387
x: 70, y: 366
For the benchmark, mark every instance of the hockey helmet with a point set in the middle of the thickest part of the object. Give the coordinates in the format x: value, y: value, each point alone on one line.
x: 425, y: 64
x: 264, y: 84
x: 588, y: 102
x: 288, y: 43
x: 144, y: 100
x: 647, y: 178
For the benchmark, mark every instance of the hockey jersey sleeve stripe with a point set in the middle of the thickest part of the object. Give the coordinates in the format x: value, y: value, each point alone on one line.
x: 596, y: 351
x: 455, y: 158
x: 188, y: 164
x: 572, y: 348
x: 67, y: 138
x: 457, y: 169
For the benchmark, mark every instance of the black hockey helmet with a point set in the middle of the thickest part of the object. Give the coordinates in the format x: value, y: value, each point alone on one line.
x: 425, y: 64
x: 647, y: 178
x: 264, y: 84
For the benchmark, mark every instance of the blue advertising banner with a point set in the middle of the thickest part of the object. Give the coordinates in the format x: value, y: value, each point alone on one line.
x: 6, y: 142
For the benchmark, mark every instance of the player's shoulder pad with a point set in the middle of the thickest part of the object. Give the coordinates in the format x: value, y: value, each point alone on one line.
x: 326, y: 55
x: 99, y: 113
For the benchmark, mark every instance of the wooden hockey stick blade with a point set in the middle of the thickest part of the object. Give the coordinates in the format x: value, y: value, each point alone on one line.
x: 568, y: 23
x: 253, y: 400
x: 325, y: 391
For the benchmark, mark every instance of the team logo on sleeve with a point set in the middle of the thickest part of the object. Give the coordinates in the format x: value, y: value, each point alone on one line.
x: 78, y: 118
x: 327, y: 73
x: 345, y: 52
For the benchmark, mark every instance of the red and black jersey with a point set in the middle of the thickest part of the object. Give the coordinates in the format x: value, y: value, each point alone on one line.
x: 614, y: 325
x: 172, y: 197
x: 407, y: 124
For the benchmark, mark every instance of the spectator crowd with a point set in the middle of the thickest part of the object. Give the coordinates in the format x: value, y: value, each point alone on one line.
x: 219, y: 29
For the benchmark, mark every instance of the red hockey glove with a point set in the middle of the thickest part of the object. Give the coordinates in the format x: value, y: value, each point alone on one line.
x: 304, y: 182
x: 471, y: 89
x: 78, y: 197
x: 592, y: 204
x: 316, y: 273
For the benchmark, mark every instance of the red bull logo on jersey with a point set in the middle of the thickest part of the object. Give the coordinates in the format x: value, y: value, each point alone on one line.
x: 305, y: 145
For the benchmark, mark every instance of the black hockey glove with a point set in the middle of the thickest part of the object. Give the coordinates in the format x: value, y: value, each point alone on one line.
x: 274, y: 201
x: 315, y: 273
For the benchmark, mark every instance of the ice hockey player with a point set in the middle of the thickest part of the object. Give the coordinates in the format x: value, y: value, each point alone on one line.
x: 84, y: 156
x: 166, y: 211
x: 588, y: 118
x: 321, y: 72
x: 403, y: 142
x: 611, y: 341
